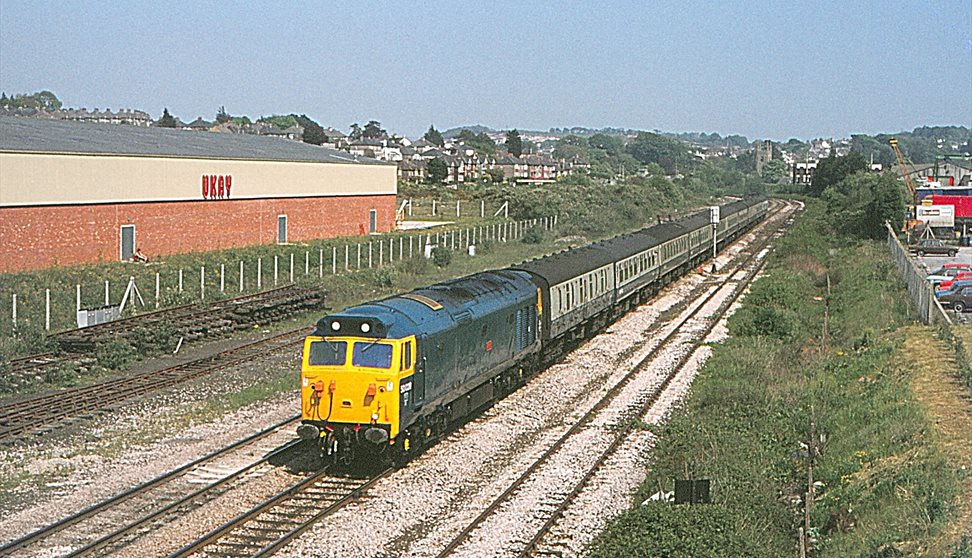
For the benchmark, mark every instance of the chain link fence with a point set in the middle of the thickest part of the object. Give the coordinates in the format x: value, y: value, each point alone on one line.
x: 922, y: 292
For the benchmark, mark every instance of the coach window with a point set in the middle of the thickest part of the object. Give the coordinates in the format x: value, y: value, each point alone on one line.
x: 281, y: 229
x: 127, y: 242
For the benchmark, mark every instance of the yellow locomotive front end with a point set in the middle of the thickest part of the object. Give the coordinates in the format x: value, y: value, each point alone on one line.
x: 351, y: 393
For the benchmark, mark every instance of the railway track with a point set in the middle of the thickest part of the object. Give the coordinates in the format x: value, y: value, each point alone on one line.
x: 141, y: 509
x: 40, y: 414
x: 190, y: 322
x: 266, y: 528
x: 581, y: 451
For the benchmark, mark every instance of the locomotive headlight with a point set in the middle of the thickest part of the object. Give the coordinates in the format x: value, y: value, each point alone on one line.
x: 374, y: 416
x: 365, y: 328
x: 335, y: 326
x: 389, y: 386
x: 306, y: 382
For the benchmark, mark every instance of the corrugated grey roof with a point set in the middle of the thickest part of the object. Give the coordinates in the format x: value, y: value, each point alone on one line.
x: 54, y: 136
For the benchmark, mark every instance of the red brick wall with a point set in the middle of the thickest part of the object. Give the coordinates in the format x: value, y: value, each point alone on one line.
x: 38, y: 237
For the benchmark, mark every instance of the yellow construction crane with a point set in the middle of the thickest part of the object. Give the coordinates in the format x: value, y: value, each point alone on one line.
x: 911, y: 222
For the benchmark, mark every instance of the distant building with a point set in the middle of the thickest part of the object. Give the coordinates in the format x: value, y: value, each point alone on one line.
x: 764, y: 154
x: 802, y: 173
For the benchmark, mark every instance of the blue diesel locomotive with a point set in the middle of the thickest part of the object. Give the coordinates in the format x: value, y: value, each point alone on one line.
x: 386, y: 378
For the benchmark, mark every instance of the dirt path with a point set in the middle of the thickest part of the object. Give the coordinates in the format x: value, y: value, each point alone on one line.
x: 946, y: 403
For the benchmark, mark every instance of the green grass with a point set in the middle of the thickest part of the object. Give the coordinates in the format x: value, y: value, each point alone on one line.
x: 886, y: 488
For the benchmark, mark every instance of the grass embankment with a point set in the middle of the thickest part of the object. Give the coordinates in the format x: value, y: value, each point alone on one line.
x: 885, y: 420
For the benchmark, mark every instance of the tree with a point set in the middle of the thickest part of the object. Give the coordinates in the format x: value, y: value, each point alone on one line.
x: 222, y: 117
x: 355, y: 133
x: 495, y: 175
x: 313, y: 132
x: 775, y: 171
x: 859, y: 204
x: 373, y: 130
x: 514, y: 144
x: 481, y: 142
x: 648, y: 147
x: 834, y: 169
x: 167, y: 120
x: 436, y: 170
x: 434, y: 137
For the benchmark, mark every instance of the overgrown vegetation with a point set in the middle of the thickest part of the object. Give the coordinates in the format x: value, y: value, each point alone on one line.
x: 807, y: 366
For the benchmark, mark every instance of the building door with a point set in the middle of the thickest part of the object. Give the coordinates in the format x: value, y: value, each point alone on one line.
x: 373, y: 220
x: 281, y: 229
x: 127, y: 242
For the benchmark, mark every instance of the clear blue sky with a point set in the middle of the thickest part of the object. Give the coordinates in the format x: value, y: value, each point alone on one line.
x: 762, y: 69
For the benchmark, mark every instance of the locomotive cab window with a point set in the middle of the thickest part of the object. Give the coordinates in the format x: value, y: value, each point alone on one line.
x: 369, y: 354
x: 327, y: 353
x: 406, y: 355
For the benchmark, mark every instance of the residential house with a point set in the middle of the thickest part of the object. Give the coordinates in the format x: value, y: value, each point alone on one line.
x: 199, y: 125
x: 409, y: 169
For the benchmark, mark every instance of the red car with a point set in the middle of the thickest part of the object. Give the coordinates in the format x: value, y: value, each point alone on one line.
x: 961, y: 276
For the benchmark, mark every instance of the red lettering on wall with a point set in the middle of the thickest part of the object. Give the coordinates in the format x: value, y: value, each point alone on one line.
x: 216, y: 186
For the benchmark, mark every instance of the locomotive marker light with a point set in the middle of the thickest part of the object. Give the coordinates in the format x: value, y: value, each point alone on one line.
x: 714, y: 219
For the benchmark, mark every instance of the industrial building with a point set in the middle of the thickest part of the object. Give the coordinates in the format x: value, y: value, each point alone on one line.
x: 73, y: 193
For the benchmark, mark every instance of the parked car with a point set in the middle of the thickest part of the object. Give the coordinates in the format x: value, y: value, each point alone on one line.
x: 960, y: 276
x: 955, y: 286
x: 947, y: 272
x: 959, y: 300
x: 933, y: 247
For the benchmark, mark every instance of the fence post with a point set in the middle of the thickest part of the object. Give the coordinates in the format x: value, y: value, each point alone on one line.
x: 433, y: 208
x: 77, y: 306
x: 157, y: 285
x: 401, y: 247
x: 381, y: 253
x: 482, y: 209
x: 259, y: 273
x: 180, y: 287
x: 13, y: 316
x: 202, y: 282
x: 275, y: 269
x: 333, y: 261
x: 359, y: 257
x: 306, y: 262
x: 106, y: 287
x: 409, y: 207
x: 222, y: 278
x: 347, y: 261
x: 410, y: 246
x: 241, y: 276
x: 47, y: 310
x: 291, y: 267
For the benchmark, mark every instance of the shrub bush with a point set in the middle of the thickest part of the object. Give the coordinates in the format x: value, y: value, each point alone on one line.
x: 441, y: 256
x: 534, y: 235
x: 115, y: 354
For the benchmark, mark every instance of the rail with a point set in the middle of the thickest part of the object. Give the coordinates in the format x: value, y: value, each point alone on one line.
x: 921, y: 291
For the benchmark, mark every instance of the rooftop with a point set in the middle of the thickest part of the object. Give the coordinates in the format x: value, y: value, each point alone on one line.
x: 55, y: 136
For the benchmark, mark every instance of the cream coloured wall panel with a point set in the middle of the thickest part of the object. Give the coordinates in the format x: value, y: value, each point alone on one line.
x: 54, y: 179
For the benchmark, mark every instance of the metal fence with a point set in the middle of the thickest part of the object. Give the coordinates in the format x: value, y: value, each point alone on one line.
x: 922, y: 292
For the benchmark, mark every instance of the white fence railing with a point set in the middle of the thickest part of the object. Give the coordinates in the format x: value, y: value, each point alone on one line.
x: 59, y: 306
